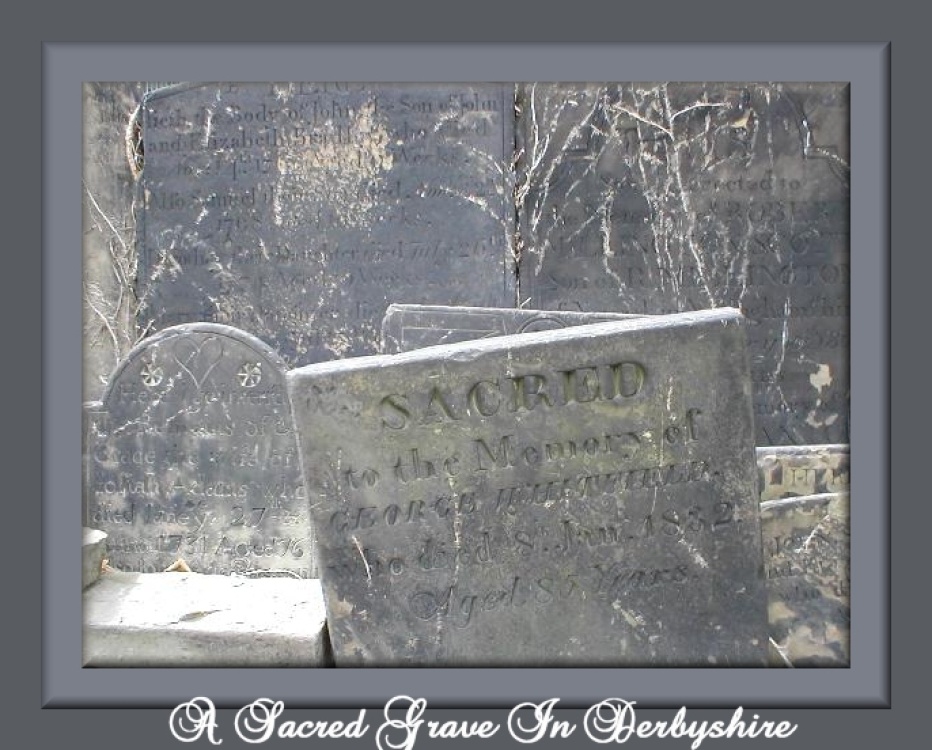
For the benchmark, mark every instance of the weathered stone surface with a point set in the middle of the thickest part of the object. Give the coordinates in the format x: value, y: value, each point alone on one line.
x: 194, y: 620
x: 192, y: 454
x: 107, y: 188
x: 407, y: 327
x: 584, y: 496
x: 290, y: 210
x: 93, y: 551
x: 806, y: 548
x: 664, y: 197
x: 298, y: 211
x: 792, y: 471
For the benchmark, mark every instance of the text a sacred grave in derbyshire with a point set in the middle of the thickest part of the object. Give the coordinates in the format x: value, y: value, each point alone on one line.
x: 299, y: 211
x: 192, y: 454
x: 564, y: 497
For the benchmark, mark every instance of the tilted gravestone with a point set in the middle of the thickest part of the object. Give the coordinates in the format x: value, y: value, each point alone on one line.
x: 806, y: 550
x: 792, y: 471
x: 299, y: 211
x: 584, y: 496
x: 407, y: 327
x: 192, y: 454
x: 665, y: 197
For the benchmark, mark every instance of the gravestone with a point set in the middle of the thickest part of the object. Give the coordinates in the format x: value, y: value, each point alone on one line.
x: 583, y: 496
x: 665, y: 197
x: 792, y: 471
x: 806, y: 551
x: 191, y: 454
x: 407, y: 327
x: 298, y: 211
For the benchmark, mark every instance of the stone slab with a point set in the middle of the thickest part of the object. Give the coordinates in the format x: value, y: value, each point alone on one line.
x: 793, y: 471
x: 407, y: 327
x: 93, y: 552
x: 192, y: 454
x: 664, y: 197
x: 195, y: 620
x: 806, y: 549
x: 299, y: 211
x: 584, y: 496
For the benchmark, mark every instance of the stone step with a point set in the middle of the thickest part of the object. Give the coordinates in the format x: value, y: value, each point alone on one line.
x: 197, y: 620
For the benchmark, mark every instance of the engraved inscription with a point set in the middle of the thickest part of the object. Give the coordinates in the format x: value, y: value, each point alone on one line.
x: 294, y: 210
x: 487, y: 488
x: 806, y: 550
x: 193, y: 456
x: 667, y: 197
x: 804, y: 470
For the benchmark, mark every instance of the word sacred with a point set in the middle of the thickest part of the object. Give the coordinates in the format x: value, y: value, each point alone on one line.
x: 612, y: 720
x: 514, y: 393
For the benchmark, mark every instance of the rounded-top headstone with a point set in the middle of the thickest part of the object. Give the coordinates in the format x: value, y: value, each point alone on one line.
x: 192, y: 455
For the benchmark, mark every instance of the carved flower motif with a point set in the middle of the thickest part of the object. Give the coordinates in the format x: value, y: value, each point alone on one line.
x: 250, y: 374
x: 151, y: 374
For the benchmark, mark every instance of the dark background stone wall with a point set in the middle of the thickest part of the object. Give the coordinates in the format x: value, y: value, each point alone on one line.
x: 298, y: 212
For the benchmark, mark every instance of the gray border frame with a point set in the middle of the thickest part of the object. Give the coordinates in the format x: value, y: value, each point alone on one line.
x: 865, y: 65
